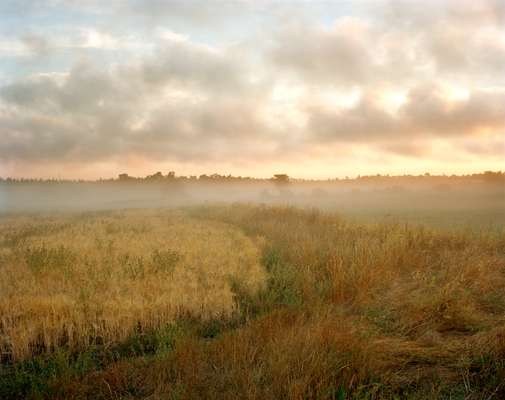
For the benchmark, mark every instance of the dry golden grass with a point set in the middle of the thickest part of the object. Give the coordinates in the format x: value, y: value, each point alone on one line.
x: 344, y: 310
x: 72, y: 281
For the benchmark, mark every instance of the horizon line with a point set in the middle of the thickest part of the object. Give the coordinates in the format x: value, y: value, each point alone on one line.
x: 215, y: 176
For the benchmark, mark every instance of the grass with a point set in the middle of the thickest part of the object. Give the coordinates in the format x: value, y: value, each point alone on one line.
x: 271, y: 302
x: 101, y: 278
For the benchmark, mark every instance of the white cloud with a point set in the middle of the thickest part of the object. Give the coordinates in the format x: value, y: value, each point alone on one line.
x: 12, y: 47
x: 91, y: 38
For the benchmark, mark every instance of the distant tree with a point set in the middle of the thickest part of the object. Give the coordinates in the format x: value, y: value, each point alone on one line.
x: 281, y: 178
x: 158, y: 175
x: 493, y: 177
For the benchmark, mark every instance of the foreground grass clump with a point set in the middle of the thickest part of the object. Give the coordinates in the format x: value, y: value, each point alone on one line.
x: 347, y: 310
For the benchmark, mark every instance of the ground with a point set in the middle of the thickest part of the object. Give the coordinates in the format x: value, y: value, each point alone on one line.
x: 245, y: 301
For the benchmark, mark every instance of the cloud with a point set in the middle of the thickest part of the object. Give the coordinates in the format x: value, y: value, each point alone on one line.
x: 186, y: 101
x: 396, y: 82
x: 182, y: 62
x: 37, y: 44
x: 426, y: 112
x: 418, y: 47
x: 337, y: 55
x: 11, y: 47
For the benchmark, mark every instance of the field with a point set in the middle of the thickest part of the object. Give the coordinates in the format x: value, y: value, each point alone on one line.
x: 249, y: 302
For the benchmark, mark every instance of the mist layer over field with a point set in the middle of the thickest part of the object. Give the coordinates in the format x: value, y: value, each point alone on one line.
x: 441, y: 201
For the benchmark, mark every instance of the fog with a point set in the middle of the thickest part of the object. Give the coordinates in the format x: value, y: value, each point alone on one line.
x: 415, y: 198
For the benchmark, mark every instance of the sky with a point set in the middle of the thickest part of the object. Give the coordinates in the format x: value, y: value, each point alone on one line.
x: 314, y: 89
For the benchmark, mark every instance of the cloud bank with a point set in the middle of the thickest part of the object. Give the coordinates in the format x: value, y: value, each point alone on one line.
x: 172, y: 82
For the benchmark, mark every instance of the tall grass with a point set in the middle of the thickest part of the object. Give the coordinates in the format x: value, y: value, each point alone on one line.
x: 100, y: 278
x: 345, y: 310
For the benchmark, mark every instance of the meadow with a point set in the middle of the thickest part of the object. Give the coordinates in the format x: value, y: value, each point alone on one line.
x: 249, y: 302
